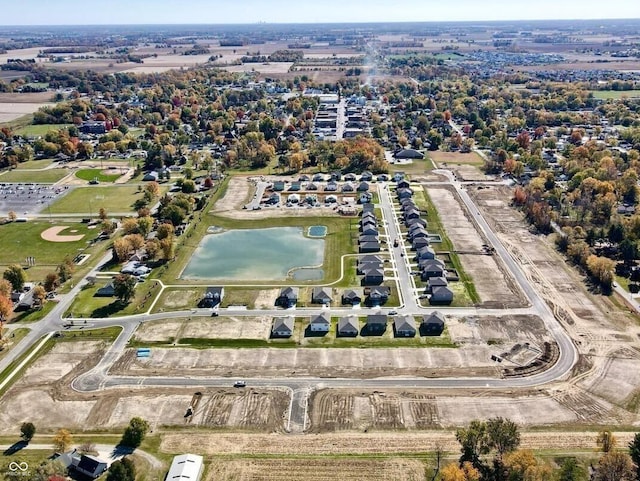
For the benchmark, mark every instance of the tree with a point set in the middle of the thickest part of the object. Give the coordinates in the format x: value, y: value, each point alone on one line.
x: 188, y: 186
x: 66, y: 269
x: 153, y: 188
x: 614, y: 466
x: 39, y: 295
x: 121, y: 249
x: 606, y: 441
x: 130, y: 225
x: 124, y: 287
x: 102, y: 213
x: 473, y: 441
x: 122, y: 470
x: 16, y: 276
x: 135, y: 432
x: 62, y: 440
x: 136, y: 241
x: 27, y: 431
x: 87, y: 448
x: 634, y: 452
x: 12, y: 216
x: 50, y: 470
x: 5, y: 288
x: 572, y: 471
x: 168, y: 249
x: 51, y: 282
x: 6, y: 308
x: 165, y: 230
x: 145, y: 224
x: 502, y: 435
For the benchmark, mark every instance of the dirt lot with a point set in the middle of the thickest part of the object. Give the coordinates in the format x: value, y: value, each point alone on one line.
x: 14, y: 106
x: 361, y: 410
x: 220, y: 328
x: 315, y: 469
x: 373, y: 442
x: 43, y: 396
x: 494, y: 284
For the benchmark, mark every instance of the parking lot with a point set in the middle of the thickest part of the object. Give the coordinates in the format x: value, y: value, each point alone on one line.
x: 26, y: 199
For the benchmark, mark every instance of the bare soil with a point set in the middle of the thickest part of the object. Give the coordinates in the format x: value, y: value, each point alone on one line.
x: 492, y: 281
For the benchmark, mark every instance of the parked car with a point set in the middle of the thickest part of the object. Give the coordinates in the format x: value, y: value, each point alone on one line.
x: 239, y: 384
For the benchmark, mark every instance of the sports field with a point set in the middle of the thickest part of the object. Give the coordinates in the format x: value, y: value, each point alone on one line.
x: 89, y: 200
x: 49, y: 176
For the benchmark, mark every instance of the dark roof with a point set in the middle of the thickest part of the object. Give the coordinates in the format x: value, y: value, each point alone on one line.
x: 408, y: 154
x: 89, y: 464
x: 289, y: 292
x: 321, y: 293
x: 321, y: 319
x: 214, y: 293
x: 281, y: 324
x: 380, y: 291
x: 348, y: 324
x: 352, y: 294
x: 435, y: 318
x: 404, y: 323
x: 377, y: 319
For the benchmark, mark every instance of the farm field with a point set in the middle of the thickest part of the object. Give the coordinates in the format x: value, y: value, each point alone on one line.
x: 471, y: 158
x: 615, y: 94
x: 15, y: 106
x: 88, y: 200
x: 48, y: 176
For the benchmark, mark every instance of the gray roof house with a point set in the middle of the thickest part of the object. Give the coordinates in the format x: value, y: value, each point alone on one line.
x: 404, y: 193
x: 432, y: 324
x: 321, y: 295
x: 378, y: 295
x: 369, y: 229
x: 425, y: 252
x: 363, y: 187
x: 288, y: 297
x: 441, y: 295
x: 430, y: 270
x: 402, y: 183
x: 373, y: 277
x: 212, y: 297
x: 312, y: 186
x: 366, y: 175
x: 404, y: 326
x: 436, y: 282
x: 368, y: 238
x: 348, y: 326
x: 352, y: 297
x: 282, y: 326
x: 106, y: 291
x: 416, y: 220
x: 369, y: 247
x: 368, y: 208
x: 408, y: 154
x: 419, y: 242
x: 348, y: 187
x: 411, y: 213
x: 376, y: 324
x: 320, y: 323
x: 362, y: 267
x: 331, y: 187
x: 91, y: 466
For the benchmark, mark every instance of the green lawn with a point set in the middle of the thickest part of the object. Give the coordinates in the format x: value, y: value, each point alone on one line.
x: 90, y: 174
x: 50, y: 176
x: 615, y: 94
x: 40, y: 130
x: 34, y: 164
x: 14, y: 336
x: 22, y: 239
x: 89, y: 200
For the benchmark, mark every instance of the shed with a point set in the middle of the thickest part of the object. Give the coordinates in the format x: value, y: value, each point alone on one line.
x: 185, y: 467
x: 348, y: 326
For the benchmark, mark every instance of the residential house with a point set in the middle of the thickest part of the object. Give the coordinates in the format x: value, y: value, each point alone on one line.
x: 419, y: 242
x: 348, y: 187
x: 365, y: 198
x: 373, y: 277
x: 404, y: 326
x: 352, y: 297
x: 331, y: 186
x: 366, y: 176
x: 295, y: 186
x: 321, y: 295
x: 369, y: 247
x: 273, y: 199
x: 106, y: 291
x: 348, y: 326
x: 212, y: 297
x: 376, y: 324
x: 288, y: 297
x: 152, y: 176
x: 90, y: 466
x: 398, y: 176
x: 405, y: 193
x: 430, y: 269
x: 318, y: 177
x: 417, y: 220
x: 186, y: 467
x: 320, y: 323
x: 363, y: 187
x: 411, y: 213
x: 368, y: 238
x: 402, y: 184
x: 331, y: 199
x: 441, y: 295
x: 408, y: 154
x: 312, y: 186
x: 368, y: 208
x: 425, y: 252
x: 432, y: 324
x: 278, y: 186
x: 436, y: 282
x: 378, y: 295
x: 350, y: 177
x: 382, y: 178
x: 282, y: 326
x: 304, y: 178
x: 417, y: 232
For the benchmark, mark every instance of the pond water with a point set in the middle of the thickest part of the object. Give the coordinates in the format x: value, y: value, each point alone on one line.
x: 307, y: 274
x: 255, y: 254
x: 317, y: 231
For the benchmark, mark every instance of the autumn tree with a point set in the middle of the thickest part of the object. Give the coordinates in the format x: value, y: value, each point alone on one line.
x: 454, y: 472
x: 51, y: 282
x: 614, y: 466
x: 102, y: 213
x: 165, y: 231
x: 136, y: 241
x: 124, y: 287
x: 168, y: 249
x: 130, y: 225
x: 5, y: 288
x: 12, y: 216
x: 39, y: 295
x: 145, y: 224
x: 16, y: 276
x: 66, y: 269
x: 62, y: 440
x: 121, y: 249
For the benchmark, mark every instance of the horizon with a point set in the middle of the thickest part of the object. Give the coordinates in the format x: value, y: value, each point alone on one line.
x: 36, y: 13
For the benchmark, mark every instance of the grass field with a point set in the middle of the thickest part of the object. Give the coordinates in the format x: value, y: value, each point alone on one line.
x: 15, y: 336
x: 471, y: 158
x: 90, y: 174
x: 40, y: 130
x: 50, y: 176
x: 34, y: 164
x: 19, y: 240
x: 615, y: 94
x: 88, y: 200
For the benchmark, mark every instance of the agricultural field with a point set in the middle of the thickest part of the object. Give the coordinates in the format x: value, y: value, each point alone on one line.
x: 89, y: 200
x: 615, y: 94
x: 18, y: 106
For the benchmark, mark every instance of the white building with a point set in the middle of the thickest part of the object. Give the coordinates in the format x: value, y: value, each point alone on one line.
x: 185, y: 467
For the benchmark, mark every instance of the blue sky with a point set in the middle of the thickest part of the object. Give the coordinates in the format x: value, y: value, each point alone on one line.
x: 75, y: 12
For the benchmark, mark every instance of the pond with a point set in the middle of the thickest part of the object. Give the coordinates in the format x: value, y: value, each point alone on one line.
x: 317, y: 231
x: 255, y: 254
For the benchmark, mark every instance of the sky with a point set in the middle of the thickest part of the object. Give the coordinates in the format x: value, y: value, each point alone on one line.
x: 76, y: 12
